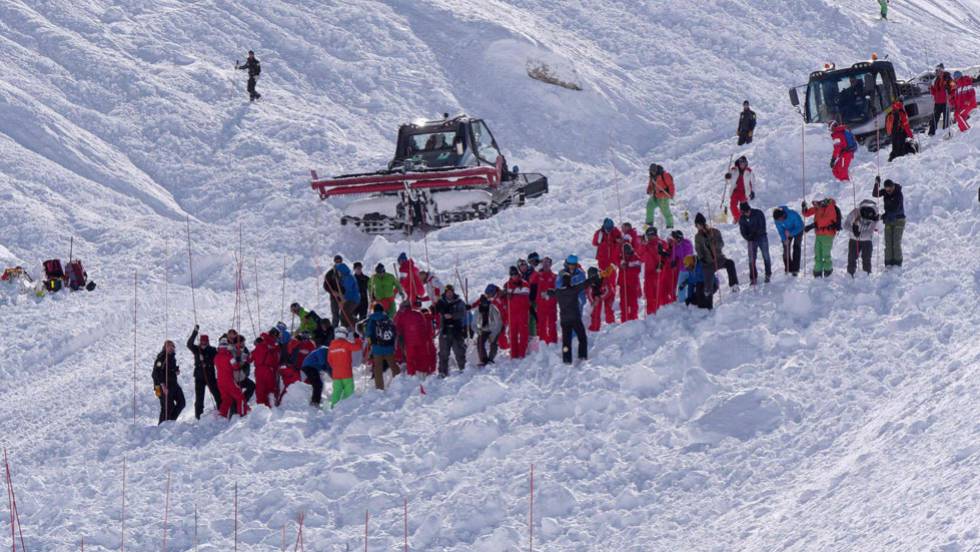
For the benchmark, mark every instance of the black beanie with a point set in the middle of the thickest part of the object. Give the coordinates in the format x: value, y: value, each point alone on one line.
x: 699, y: 220
x: 378, y: 307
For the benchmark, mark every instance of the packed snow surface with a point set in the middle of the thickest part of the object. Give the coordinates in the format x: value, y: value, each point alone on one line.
x: 806, y: 414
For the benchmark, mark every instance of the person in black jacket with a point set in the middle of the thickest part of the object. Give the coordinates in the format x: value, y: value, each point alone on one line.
x: 362, y: 285
x: 894, y: 219
x: 746, y: 124
x: 332, y: 285
x: 452, y: 334
x: 254, y: 69
x: 752, y: 224
x: 165, y: 383
x: 570, y: 314
x: 204, y: 376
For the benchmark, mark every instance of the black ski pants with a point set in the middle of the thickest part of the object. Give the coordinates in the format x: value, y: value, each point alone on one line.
x: 792, y: 248
x: 316, y: 382
x: 569, y: 330
x: 252, y: 94
x: 709, y: 282
x: 172, y: 403
x: 939, y: 110
x: 451, y: 343
x: 482, y: 341
x: 206, y: 382
x: 855, y: 248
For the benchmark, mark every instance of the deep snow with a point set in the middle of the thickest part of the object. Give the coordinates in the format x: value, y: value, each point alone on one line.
x: 804, y: 415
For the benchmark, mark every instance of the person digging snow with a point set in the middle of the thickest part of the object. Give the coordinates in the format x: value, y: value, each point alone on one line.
x: 709, y: 245
x: 789, y: 226
x: 340, y: 357
x: 899, y: 131
x: 254, y: 69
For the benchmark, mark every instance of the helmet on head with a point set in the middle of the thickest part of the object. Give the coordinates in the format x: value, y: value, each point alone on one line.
x: 571, y: 260
x: 341, y: 333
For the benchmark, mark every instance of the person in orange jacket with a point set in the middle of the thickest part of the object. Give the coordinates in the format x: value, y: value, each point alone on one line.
x: 660, y: 189
x: 827, y: 221
x: 340, y: 356
x: 544, y: 280
x: 231, y: 395
x: 629, y: 284
x: 898, y: 131
x: 601, y: 294
x: 844, y: 147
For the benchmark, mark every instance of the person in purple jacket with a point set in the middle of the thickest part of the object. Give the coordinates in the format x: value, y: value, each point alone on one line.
x: 680, y: 247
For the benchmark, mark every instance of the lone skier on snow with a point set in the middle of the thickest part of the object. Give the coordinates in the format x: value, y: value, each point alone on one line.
x: 254, y: 69
x: 746, y: 124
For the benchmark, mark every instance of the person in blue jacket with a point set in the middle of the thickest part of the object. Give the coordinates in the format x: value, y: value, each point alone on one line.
x: 315, y: 363
x: 695, y: 288
x: 789, y: 226
x: 352, y: 296
x: 382, y: 336
x: 573, y: 269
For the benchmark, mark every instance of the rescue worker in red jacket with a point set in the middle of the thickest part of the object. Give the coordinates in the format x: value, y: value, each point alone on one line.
x: 518, y: 298
x: 265, y: 358
x: 500, y: 301
x: 298, y: 348
x: 744, y: 185
x: 964, y: 99
x: 653, y: 268
x: 629, y: 284
x: 226, y: 366
x: 941, y: 88
x: 414, y: 339
x: 840, y: 162
x: 543, y: 281
x: 411, y: 280
x: 602, y: 294
x: 898, y: 131
x: 608, y: 242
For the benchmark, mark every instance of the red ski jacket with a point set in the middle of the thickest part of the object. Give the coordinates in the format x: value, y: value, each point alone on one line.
x: 608, y: 247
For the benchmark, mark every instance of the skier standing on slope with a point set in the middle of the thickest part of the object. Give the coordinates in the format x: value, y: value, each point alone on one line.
x: 744, y: 189
x: 898, y: 130
x: 894, y: 219
x: 546, y: 309
x: 862, y: 223
x: 254, y: 69
x: 660, y: 188
x: 884, y: 8
x: 827, y: 221
x: 746, y: 124
x: 844, y: 147
x: 204, y: 376
x: 571, y: 315
x: 165, y: 384
x: 708, y: 245
x: 752, y: 225
x: 227, y: 368
x: 789, y: 226
x: 452, y: 334
x: 941, y: 89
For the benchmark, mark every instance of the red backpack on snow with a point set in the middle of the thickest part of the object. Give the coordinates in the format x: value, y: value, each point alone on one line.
x: 53, y: 275
x: 77, y: 277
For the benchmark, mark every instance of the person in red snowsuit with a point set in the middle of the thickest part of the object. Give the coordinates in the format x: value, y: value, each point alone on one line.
x: 265, y: 358
x: 744, y: 185
x: 840, y: 162
x: 630, y: 235
x: 411, y: 280
x: 608, y: 241
x: 414, y: 339
x: 964, y: 99
x: 629, y: 284
x: 547, y: 306
x: 601, y: 296
x: 518, y: 294
x: 231, y: 395
x: 296, y: 352
x: 653, y: 269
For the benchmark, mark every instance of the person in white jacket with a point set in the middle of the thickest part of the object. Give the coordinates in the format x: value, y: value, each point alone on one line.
x: 862, y: 222
x: 486, y: 325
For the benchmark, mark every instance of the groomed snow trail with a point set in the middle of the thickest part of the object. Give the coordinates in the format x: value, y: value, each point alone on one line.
x: 802, y: 415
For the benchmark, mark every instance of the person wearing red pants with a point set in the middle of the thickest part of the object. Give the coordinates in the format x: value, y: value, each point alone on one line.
x: 518, y: 298
x: 414, y: 340
x: 231, y: 395
x: 844, y: 147
x: 547, y: 305
x: 265, y: 358
x: 629, y: 284
x: 601, y: 295
x: 964, y: 99
x: 744, y: 187
x: 649, y: 252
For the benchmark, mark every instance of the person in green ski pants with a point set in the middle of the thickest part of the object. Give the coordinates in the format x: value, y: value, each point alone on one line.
x: 660, y: 188
x: 884, y: 8
x: 340, y: 356
x: 827, y: 221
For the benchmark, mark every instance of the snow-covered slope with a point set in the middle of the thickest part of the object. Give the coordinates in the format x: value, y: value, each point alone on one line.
x: 806, y: 415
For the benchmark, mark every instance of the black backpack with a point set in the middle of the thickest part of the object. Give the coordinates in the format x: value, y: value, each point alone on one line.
x: 384, y: 333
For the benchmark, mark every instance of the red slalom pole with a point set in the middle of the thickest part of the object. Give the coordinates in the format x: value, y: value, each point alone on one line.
x: 15, y: 527
x: 299, y: 533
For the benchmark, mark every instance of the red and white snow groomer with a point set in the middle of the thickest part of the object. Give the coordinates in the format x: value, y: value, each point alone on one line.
x: 444, y: 171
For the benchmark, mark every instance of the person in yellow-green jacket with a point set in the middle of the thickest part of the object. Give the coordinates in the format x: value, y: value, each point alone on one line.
x: 382, y: 288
